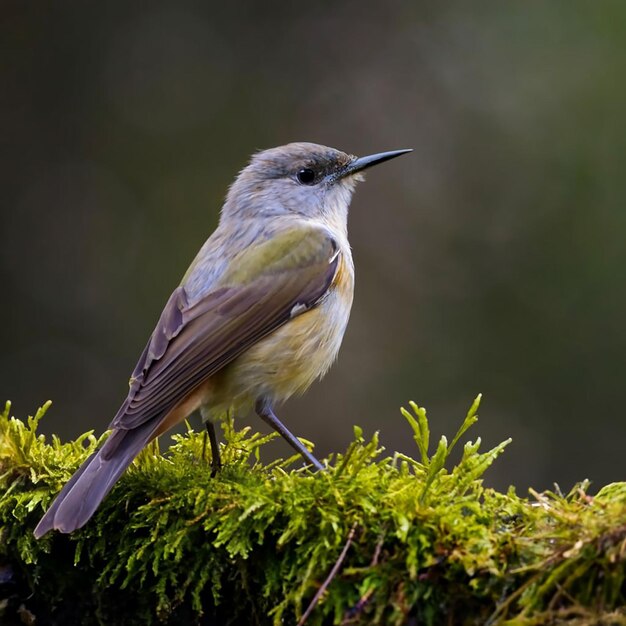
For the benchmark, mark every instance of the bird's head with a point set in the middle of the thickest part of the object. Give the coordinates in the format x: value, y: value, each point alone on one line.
x: 301, y: 179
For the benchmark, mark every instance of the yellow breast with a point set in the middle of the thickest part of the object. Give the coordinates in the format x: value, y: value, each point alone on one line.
x: 293, y: 356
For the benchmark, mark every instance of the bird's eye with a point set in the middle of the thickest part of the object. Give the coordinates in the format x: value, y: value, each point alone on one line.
x: 306, y: 176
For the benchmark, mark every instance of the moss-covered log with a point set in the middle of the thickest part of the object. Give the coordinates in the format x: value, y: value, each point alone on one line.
x: 385, y: 539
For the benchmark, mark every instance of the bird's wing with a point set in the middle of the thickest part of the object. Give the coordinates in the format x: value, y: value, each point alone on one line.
x: 266, y: 285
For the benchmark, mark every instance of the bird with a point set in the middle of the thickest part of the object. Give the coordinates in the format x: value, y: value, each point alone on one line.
x: 258, y: 317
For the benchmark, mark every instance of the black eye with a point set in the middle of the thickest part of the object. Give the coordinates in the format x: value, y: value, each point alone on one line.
x: 306, y: 176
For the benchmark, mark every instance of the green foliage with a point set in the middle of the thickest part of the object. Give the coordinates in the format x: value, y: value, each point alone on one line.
x: 428, y: 543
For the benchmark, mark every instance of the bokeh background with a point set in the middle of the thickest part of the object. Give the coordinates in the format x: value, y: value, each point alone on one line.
x: 492, y: 259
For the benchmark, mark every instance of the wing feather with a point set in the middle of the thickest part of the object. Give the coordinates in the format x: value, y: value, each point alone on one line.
x: 192, y: 341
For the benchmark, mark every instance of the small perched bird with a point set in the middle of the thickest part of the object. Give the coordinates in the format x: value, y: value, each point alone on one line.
x: 259, y: 315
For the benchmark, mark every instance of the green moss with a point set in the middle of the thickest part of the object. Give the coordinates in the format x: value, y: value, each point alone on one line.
x: 430, y: 544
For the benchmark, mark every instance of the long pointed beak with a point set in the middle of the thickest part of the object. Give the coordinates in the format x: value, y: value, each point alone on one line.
x: 362, y: 163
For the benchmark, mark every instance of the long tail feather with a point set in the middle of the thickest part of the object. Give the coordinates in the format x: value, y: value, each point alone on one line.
x: 81, y: 496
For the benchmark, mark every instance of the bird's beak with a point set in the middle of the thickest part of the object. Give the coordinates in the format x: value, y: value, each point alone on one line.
x: 361, y: 163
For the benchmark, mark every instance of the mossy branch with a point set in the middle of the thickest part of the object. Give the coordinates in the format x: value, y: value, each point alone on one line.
x: 388, y: 539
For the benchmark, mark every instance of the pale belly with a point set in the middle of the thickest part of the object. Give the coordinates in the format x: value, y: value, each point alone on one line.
x: 288, y: 360
x: 294, y: 356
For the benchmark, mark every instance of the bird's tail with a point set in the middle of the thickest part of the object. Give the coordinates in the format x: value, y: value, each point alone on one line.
x: 83, y: 493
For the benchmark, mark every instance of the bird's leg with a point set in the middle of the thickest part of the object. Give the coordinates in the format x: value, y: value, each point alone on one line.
x: 264, y: 411
x: 216, y: 462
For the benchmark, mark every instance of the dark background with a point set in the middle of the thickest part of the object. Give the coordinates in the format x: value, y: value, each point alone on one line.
x: 492, y: 259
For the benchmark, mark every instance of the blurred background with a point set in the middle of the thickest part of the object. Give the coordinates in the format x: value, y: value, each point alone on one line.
x: 492, y: 259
